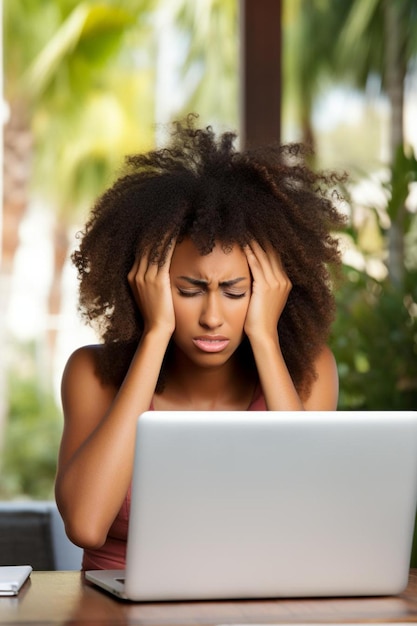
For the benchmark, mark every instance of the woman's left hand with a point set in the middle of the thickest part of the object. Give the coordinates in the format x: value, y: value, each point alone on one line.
x: 270, y: 290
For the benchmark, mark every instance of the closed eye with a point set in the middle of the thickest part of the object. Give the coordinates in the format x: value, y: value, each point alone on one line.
x: 187, y: 293
x: 233, y: 295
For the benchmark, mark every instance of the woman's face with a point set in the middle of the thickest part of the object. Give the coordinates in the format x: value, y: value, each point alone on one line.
x: 211, y: 296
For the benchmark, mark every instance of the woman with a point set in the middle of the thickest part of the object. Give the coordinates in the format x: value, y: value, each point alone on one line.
x: 206, y: 273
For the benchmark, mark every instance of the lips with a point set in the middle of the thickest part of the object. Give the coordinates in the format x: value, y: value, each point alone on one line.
x: 211, y: 343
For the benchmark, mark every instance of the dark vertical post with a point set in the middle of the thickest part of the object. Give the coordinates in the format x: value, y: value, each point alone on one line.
x: 260, y: 79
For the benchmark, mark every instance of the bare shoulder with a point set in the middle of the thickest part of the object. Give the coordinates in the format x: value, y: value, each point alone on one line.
x: 85, y: 399
x: 80, y: 379
x: 81, y: 367
x: 84, y: 357
x: 325, y: 362
x: 325, y: 390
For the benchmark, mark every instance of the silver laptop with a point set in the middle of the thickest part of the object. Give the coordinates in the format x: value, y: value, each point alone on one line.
x: 269, y: 504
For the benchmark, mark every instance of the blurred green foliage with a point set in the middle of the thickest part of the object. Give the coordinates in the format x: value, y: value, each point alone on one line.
x: 374, y: 340
x: 33, y: 432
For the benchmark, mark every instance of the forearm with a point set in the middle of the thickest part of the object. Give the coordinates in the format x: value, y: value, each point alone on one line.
x: 276, y: 382
x: 90, y: 489
x: 92, y: 483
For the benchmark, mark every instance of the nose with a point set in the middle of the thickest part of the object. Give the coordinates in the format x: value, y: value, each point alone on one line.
x: 211, y: 313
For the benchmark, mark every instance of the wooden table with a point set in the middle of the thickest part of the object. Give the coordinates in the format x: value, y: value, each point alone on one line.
x: 64, y: 598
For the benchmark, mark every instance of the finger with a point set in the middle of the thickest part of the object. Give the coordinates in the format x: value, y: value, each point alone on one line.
x: 268, y: 265
x: 161, y: 262
x: 134, y: 269
x: 259, y: 261
x: 273, y: 258
x: 140, y: 270
x: 268, y: 256
x: 149, y: 262
x: 170, y: 251
x: 161, y: 255
x: 153, y: 265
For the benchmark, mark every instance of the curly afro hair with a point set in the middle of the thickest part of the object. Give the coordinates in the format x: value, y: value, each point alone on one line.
x: 202, y: 187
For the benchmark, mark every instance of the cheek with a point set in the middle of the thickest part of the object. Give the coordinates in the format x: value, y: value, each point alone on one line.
x: 238, y: 313
x: 245, y: 308
x: 183, y: 309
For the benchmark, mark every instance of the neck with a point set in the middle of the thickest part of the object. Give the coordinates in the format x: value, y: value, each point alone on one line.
x: 191, y: 387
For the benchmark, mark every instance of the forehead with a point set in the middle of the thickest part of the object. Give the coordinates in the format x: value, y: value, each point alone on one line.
x: 217, y: 265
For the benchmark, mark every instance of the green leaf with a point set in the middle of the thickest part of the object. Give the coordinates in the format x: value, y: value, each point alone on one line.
x: 403, y: 172
x: 87, y: 28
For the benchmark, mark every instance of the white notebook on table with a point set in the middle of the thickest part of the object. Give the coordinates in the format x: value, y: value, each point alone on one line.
x: 12, y: 578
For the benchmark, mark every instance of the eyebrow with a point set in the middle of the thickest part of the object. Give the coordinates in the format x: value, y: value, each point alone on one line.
x: 200, y: 282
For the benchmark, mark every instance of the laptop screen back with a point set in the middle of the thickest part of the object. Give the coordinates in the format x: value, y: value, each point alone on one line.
x: 265, y: 504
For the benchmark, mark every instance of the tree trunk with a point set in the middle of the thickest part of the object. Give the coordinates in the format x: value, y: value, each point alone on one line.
x: 395, y: 71
x: 17, y: 153
x: 260, y: 39
x: 61, y: 246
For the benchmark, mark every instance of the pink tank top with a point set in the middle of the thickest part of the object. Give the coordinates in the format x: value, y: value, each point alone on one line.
x: 112, y: 555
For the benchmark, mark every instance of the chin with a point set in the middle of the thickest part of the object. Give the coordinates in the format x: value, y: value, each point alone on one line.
x: 206, y: 360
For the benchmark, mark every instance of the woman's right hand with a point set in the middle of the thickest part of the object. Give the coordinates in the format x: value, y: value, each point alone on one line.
x: 151, y: 286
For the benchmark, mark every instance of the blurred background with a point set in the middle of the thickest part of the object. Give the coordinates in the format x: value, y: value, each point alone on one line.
x: 85, y: 83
